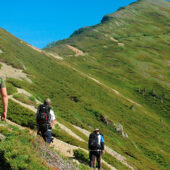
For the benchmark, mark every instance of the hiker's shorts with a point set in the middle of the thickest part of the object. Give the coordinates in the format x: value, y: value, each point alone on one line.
x: 92, y: 156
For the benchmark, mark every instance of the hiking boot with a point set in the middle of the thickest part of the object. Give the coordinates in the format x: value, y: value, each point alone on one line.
x: 52, y: 140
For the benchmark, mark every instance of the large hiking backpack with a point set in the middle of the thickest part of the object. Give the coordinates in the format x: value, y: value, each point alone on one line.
x: 43, y: 117
x: 93, y: 142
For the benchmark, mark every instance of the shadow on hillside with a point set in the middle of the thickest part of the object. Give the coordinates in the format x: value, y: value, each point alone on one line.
x: 3, y: 162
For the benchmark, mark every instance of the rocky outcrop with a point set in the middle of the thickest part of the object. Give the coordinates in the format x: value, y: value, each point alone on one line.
x: 119, y: 129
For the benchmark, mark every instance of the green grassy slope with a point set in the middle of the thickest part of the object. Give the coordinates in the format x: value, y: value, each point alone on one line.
x: 139, y: 70
x: 20, y: 149
x: 143, y: 61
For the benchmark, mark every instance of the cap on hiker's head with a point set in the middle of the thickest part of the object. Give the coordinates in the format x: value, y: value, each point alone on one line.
x: 96, y: 130
x: 47, y: 101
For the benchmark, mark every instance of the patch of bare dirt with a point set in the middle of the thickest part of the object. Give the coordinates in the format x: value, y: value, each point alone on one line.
x: 113, y: 39
x: 121, y: 44
x: 29, y: 45
x: 76, y: 50
x: 53, y: 159
x: 56, y: 56
x: 63, y: 148
x: 7, y: 71
x: 43, y: 52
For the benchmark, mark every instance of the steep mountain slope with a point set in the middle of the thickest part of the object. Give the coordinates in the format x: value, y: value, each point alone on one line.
x: 114, y: 72
x: 128, y: 50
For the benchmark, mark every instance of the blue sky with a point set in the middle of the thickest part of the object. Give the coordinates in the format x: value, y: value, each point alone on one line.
x: 40, y: 22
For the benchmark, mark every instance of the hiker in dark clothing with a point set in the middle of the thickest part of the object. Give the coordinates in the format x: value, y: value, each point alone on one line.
x: 4, y: 95
x: 45, y: 120
x: 96, y: 148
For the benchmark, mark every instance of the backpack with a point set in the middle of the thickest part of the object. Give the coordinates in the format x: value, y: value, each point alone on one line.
x: 93, y: 142
x: 43, y: 117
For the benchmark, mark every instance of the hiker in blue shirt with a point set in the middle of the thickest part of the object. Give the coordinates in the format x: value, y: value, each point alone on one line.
x: 96, y: 148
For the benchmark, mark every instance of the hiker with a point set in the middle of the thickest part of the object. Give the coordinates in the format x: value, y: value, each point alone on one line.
x: 45, y: 120
x: 96, y: 148
x: 4, y: 99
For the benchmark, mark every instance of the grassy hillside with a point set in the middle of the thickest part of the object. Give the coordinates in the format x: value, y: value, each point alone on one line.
x: 17, y: 153
x: 127, y: 51
x: 18, y: 150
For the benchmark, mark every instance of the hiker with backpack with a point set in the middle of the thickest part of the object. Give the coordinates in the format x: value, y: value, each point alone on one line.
x: 4, y: 95
x: 45, y: 120
x: 96, y: 148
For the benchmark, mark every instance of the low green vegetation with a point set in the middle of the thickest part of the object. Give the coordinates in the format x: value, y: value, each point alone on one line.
x: 17, y: 150
x: 21, y: 115
x: 112, y: 161
x: 81, y: 156
x: 11, y: 89
x: 25, y: 99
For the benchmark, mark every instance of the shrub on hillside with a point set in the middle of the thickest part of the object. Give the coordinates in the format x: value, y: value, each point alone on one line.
x: 11, y: 89
x: 21, y: 115
x: 81, y: 156
x: 32, y: 98
x: 18, y: 151
x: 95, y: 112
x: 25, y: 99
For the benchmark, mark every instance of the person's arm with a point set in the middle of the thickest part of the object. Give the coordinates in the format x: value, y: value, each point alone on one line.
x: 4, y: 102
x: 52, y: 123
x: 52, y: 117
